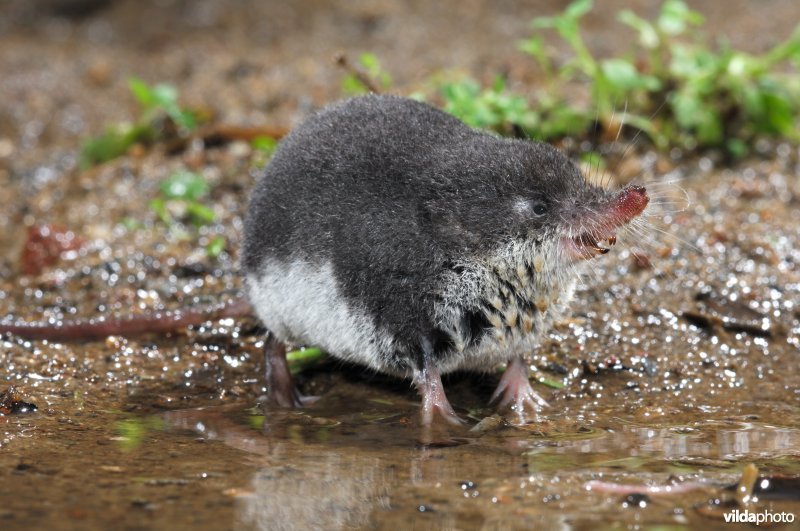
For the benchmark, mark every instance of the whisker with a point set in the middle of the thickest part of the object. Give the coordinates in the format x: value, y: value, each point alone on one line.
x: 622, y: 122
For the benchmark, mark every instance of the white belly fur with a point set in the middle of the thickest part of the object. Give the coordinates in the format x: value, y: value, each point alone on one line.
x: 301, y: 303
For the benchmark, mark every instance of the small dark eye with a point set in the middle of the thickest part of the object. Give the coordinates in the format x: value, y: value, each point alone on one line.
x: 539, y: 209
x: 530, y: 207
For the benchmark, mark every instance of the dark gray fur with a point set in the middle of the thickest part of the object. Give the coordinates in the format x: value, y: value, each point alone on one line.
x: 395, y: 193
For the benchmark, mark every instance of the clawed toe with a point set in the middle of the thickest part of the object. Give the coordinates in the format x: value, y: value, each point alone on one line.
x: 515, y: 390
x: 434, y: 401
x: 431, y: 407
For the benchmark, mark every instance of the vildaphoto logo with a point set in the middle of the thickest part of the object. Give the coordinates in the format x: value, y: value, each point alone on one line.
x: 763, y: 517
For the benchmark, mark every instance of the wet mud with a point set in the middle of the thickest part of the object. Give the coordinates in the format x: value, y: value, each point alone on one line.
x: 677, y: 369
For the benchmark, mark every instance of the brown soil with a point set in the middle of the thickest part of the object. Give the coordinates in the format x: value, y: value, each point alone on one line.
x: 679, y: 362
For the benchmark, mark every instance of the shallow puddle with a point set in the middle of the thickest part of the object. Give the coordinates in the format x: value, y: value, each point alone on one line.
x: 674, y: 376
x: 676, y: 371
x: 357, y: 462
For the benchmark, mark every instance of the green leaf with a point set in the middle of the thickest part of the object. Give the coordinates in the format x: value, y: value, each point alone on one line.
x: 264, y: 144
x: 779, y: 117
x: 717, y: 97
x: 739, y: 65
x: 533, y: 46
x: 549, y: 382
x: 200, y: 214
x: 578, y: 8
x: 560, y: 119
x: 256, y: 421
x: 299, y: 360
x: 499, y: 84
x: 543, y: 22
x: 216, y: 246
x: 736, y: 147
x: 184, y: 119
x: 568, y: 29
x: 593, y: 159
x: 162, y: 97
x: 142, y: 92
x: 103, y: 148
x: 623, y: 76
x: 352, y: 85
x: 159, y: 206
x: 131, y: 224
x: 184, y: 184
x: 370, y: 62
x: 493, y: 108
x: 131, y: 432
x: 113, y: 143
x: 648, y: 36
x: 303, y: 354
x: 694, y: 64
x: 751, y: 100
x: 787, y: 50
x: 675, y: 16
x: 165, y: 96
x: 710, y: 130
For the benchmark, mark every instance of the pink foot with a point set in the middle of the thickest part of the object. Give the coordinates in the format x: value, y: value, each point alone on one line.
x: 515, y: 389
x: 281, y: 390
x: 434, y: 401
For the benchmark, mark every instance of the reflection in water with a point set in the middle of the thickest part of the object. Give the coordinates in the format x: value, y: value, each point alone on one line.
x: 328, y: 491
x: 349, y: 471
x: 729, y: 440
x: 757, y: 441
x: 321, y: 489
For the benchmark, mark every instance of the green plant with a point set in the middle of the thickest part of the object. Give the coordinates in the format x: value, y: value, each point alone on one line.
x: 263, y: 148
x: 305, y: 358
x: 157, y: 104
x: 159, y: 98
x: 216, y: 246
x: 132, y: 431
x: 112, y: 143
x: 182, y: 191
x: 502, y: 111
x: 682, y: 92
x: 493, y: 108
x: 180, y: 198
x: 366, y: 76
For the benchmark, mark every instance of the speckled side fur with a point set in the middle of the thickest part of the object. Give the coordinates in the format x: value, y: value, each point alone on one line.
x: 387, y: 220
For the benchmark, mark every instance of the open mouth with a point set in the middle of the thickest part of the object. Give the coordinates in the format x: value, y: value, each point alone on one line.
x: 589, y: 245
x: 625, y: 206
x: 592, y: 244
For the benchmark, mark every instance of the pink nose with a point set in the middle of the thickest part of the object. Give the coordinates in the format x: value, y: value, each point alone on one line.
x: 630, y: 202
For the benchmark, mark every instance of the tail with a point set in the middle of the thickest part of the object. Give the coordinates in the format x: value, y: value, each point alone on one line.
x: 157, y: 322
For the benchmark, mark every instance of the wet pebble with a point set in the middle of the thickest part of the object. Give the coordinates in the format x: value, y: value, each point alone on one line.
x: 487, y: 424
x: 713, y: 313
x: 143, y: 504
x: 99, y: 73
x: 11, y: 403
x: 635, y: 501
x: 45, y: 246
x: 649, y: 366
x: 468, y: 485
